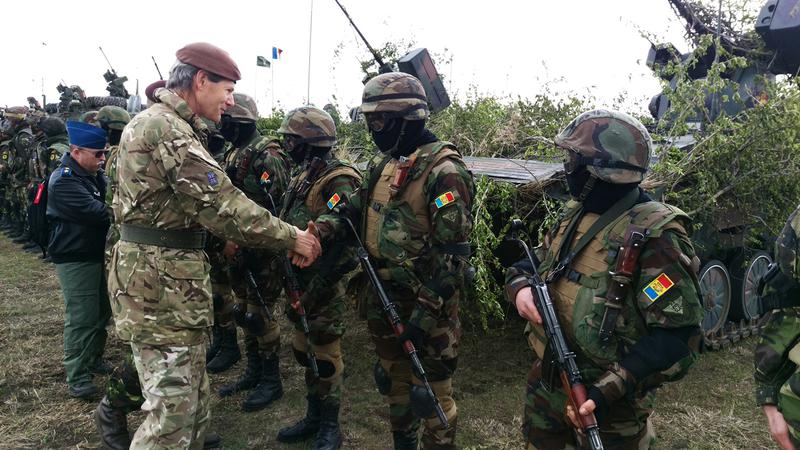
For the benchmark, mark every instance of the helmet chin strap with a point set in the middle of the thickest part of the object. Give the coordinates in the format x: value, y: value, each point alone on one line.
x: 400, y: 135
x: 587, y: 188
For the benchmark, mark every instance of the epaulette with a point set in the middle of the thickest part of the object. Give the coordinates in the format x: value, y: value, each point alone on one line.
x: 66, y: 172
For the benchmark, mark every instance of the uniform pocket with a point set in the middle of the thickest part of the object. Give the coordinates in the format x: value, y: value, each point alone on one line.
x: 185, y: 293
x: 401, y: 236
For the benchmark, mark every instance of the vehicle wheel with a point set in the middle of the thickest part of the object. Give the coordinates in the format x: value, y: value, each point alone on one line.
x: 715, y: 293
x: 746, y: 270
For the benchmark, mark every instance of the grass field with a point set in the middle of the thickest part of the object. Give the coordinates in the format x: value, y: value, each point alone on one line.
x: 713, y: 408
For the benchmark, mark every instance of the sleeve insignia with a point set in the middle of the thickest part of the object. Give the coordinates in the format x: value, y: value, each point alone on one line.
x: 66, y: 172
x: 333, y: 200
x: 444, y: 199
x: 212, y: 179
x: 264, y: 177
x: 658, y: 287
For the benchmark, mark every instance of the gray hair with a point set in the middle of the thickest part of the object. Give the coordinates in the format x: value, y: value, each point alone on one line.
x: 181, y: 76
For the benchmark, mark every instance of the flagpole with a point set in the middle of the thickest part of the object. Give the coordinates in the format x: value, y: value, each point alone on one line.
x: 272, y: 88
x: 310, y: 27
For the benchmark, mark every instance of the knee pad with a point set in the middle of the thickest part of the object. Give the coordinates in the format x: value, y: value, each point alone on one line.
x: 255, y: 323
x: 301, y: 357
x: 423, y: 405
x: 382, y: 380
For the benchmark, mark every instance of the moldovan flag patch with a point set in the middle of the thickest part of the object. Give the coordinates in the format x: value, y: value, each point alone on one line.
x: 444, y: 199
x: 333, y: 201
x: 264, y: 177
x: 658, y: 287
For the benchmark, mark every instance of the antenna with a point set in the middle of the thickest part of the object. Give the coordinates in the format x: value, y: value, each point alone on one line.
x: 157, y: 69
x: 107, y: 61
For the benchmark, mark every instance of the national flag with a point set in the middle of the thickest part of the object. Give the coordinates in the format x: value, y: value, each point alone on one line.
x: 658, y: 287
x: 276, y: 53
x: 264, y: 177
x: 262, y: 61
x: 444, y: 199
x: 333, y: 200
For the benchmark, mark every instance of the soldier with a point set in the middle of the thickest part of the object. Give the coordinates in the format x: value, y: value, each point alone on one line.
x: 20, y: 147
x: 415, y: 222
x: 112, y: 119
x: 5, y: 185
x: 777, y: 354
x: 628, y: 340
x: 56, y: 144
x: 170, y: 190
x: 252, y: 160
x: 308, y: 135
x: 35, y: 174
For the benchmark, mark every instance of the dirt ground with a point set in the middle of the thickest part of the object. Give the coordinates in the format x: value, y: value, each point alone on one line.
x: 713, y: 408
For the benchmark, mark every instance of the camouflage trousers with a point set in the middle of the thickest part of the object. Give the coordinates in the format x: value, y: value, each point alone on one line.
x: 789, y: 405
x: 439, y: 355
x: 221, y: 291
x: 325, y: 304
x: 176, y: 393
x: 545, y: 426
x: 268, y: 277
x: 123, y: 391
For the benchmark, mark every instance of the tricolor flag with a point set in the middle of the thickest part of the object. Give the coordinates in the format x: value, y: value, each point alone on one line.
x: 276, y: 53
x: 262, y: 61
x: 444, y: 199
x: 333, y: 200
x: 658, y: 287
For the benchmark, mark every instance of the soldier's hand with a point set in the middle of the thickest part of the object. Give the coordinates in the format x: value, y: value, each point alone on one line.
x: 306, y: 249
x: 585, y: 409
x: 526, y: 306
x: 230, y: 250
x: 778, y: 427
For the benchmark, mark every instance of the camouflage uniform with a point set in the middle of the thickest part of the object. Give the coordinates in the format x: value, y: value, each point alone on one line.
x: 162, y: 295
x: 416, y: 232
x: 661, y: 301
x: 252, y: 161
x: 5, y: 185
x: 20, y: 147
x: 322, y: 182
x: 777, y: 354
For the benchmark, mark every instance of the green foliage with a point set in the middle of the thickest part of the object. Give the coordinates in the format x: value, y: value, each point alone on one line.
x: 268, y: 126
x: 741, y: 172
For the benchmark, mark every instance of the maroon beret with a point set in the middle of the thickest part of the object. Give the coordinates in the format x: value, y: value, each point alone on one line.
x: 150, y: 90
x: 211, y: 59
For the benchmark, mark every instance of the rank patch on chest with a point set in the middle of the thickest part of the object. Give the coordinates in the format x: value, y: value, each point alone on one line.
x: 264, y: 177
x: 444, y: 199
x: 658, y: 287
x: 333, y: 200
x: 212, y: 179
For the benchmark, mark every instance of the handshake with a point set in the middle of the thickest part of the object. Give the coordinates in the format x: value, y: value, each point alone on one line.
x: 307, y: 247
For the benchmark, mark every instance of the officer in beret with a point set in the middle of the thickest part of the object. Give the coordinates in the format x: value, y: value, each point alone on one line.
x: 170, y: 191
x: 80, y: 219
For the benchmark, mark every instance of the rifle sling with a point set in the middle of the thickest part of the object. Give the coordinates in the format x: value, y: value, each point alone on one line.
x: 565, y: 258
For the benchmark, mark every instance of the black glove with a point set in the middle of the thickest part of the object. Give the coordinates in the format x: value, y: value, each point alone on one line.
x: 414, y: 334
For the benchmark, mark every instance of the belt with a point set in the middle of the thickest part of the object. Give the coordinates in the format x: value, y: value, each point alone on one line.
x: 185, y: 239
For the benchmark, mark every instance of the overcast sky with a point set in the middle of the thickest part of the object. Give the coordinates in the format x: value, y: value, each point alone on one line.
x: 502, y: 47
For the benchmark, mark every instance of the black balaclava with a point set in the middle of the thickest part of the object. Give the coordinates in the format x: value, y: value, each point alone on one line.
x: 237, y: 133
x: 400, y: 137
x: 305, y: 152
x: 114, y: 136
x: 600, y: 196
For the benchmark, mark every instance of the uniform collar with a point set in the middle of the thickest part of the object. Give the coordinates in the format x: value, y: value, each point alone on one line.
x: 182, y: 109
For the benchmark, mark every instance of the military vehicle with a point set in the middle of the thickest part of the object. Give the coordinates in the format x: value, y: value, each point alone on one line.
x: 731, y: 270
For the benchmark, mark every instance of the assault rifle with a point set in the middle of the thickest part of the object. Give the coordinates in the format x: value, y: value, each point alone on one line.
x: 295, y: 293
x: 251, y: 281
x: 571, y: 379
x: 397, y: 323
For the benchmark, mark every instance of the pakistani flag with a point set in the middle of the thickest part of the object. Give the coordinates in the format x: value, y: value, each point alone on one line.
x: 262, y: 62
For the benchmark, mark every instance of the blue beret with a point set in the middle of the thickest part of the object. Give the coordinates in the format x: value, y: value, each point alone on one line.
x: 85, y: 135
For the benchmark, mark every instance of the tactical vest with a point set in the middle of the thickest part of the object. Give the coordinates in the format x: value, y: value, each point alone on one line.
x: 398, y: 225
x: 239, y: 167
x: 6, y: 157
x: 111, y: 173
x: 579, y: 295
x: 315, y: 204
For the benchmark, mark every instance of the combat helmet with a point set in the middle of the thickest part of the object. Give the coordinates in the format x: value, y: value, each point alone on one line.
x: 397, y: 94
x: 16, y: 114
x: 53, y: 126
x: 112, y: 117
x: 89, y: 117
x: 244, y: 109
x: 314, y: 126
x: 614, y: 146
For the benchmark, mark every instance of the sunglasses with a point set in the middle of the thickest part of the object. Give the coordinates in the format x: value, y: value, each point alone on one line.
x: 97, y: 153
x: 376, y: 122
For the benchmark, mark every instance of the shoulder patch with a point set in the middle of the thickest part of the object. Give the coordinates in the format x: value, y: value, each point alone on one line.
x: 66, y: 172
x: 658, y: 287
x: 333, y: 200
x: 444, y: 199
x: 264, y: 177
x: 212, y: 178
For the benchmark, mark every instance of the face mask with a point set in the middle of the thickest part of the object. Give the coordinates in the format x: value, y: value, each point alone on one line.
x: 576, y: 180
x: 388, y: 137
x: 114, y: 136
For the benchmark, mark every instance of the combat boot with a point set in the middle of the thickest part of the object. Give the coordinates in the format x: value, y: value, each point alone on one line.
x: 252, y: 373
x: 22, y: 238
x: 212, y: 440
x: 329, y: 436
x: 269, y: 386
x: 307, y: 427
x: 228, y: 353
x: 406, y: 439
x: 17, y: 229
x: 31, y: 246
x: 216, y: 341
x: 112, y: 426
